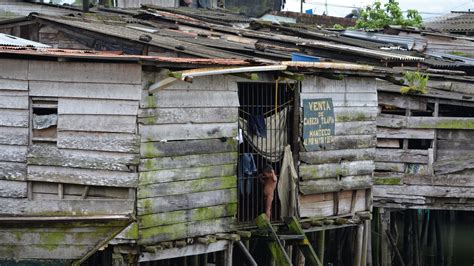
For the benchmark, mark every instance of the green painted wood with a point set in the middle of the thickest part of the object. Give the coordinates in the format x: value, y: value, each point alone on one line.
x: 192, y: 186
x: 275, y: 246
x: 304, y: 245
x: 198, y: 214
x: 183, y: 174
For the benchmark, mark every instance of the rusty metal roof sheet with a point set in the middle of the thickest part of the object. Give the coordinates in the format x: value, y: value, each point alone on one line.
x: 10, y: 40
x: 118, y: 56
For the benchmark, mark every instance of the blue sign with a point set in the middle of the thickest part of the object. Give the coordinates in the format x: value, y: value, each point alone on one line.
x: 318, y: 123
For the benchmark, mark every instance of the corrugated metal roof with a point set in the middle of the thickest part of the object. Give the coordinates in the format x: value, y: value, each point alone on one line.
x: 9, y: 40
x: 407, y: 43
x: 108, y: 55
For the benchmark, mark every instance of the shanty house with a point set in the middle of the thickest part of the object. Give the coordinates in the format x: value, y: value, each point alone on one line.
x: 93, y: 142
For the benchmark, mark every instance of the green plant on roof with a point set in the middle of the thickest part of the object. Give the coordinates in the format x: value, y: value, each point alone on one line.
x: 416, y: 83
x: 377, y: 16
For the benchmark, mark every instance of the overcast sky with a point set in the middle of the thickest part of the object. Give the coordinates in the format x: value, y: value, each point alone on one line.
x: 428, y: 8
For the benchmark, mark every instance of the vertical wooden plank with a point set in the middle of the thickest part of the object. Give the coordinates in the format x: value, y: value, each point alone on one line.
x: 60, y: 191
x: 385, y: 258
x: 30, y: 190
x: 321, y: 245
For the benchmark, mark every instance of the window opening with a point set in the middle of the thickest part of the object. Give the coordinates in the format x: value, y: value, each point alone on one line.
x: 44, y: 120
x: 265, y: 116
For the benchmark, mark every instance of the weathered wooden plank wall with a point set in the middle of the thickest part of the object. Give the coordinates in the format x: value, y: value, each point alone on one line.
x: 424, y: 149
x: 347, y: 164
x: 187, y: 183
x: 91, y: 167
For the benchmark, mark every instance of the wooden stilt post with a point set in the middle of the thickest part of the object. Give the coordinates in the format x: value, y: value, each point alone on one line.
x: 416, y: 236
x: 450, y: 249
x: 358, y: 246
x: 321, y: 245
x: 385, y: 257
x: 229, y: 253
x: 365, y: 241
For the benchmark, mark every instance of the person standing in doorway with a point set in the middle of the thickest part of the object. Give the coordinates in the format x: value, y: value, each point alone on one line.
x: 269, y: 180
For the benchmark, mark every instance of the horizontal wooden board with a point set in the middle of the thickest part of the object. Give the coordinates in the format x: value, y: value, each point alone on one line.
x: 187, y: 131
x: 346, y: 114
x: 110, y: 73
x: 207, y: 83
x: 318, y: 84
x: 186, y: 201
x: 392, y: 167
x: 310, y: 172
x: 402, y: 156
x: 451, y: 180
x: 44, y: 251
x: 97, y: 107
x: 188, y: 147
x: 352, y: 142
x: 356, y: 128
x: 191, y: 186
x: 457, y: 135
x: 426, y: 191
x: 12, y: 189
x: 348, y: 99
x: 335, y: 156
x: 85, y: 90
x: 187, y: 161
x: 185, y: 230
x: 402, y: 102
x: 455, y: 145
x: 388, y: 143
x: 98, y: 123
x: 14, y: 101
x: 14, y: 136
x: 13, y: 153
x: 18, y: 237
x: 189, y: 250
x: 14, y: 69
x: 117, y: 142
x: 46, y: 154
x: 183, y: 174
x: 155, y: 116
x: 191, y: 98
x: 441, y: 122
x: 82, y: 176
x: 12, y: 171
x: 14, y: 118
x: 175, y: 217
x: 13, y: 84
x: 63, y: 207
x: 391, y: 121
x: 392, y: 133
x: 454, y: 165
x: 332, y: 184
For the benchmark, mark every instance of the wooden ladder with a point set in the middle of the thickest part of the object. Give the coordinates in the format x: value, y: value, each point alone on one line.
x: 295, y: 234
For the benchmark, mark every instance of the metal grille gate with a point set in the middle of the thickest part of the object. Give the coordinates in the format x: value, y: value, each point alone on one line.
x: 274, y: 106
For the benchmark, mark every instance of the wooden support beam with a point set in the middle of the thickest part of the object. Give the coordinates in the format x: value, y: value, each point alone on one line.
x: 359, y: 243
x: 395, y: 248
x: 304, y: 246
x: 85, y: 192
x: 276, y: 247
x: 188, y: 250
x: 246, y: 253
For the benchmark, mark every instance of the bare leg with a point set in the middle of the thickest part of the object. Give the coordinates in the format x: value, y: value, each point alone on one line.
x: 268, y: 206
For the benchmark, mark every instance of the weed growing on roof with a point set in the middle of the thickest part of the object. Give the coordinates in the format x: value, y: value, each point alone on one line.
x: 416, y: 83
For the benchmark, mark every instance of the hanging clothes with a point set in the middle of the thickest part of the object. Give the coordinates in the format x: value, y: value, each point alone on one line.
x: 287, y: 185
x: 246, y: 171
x: 257, y: 126
x: 271, y: 148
